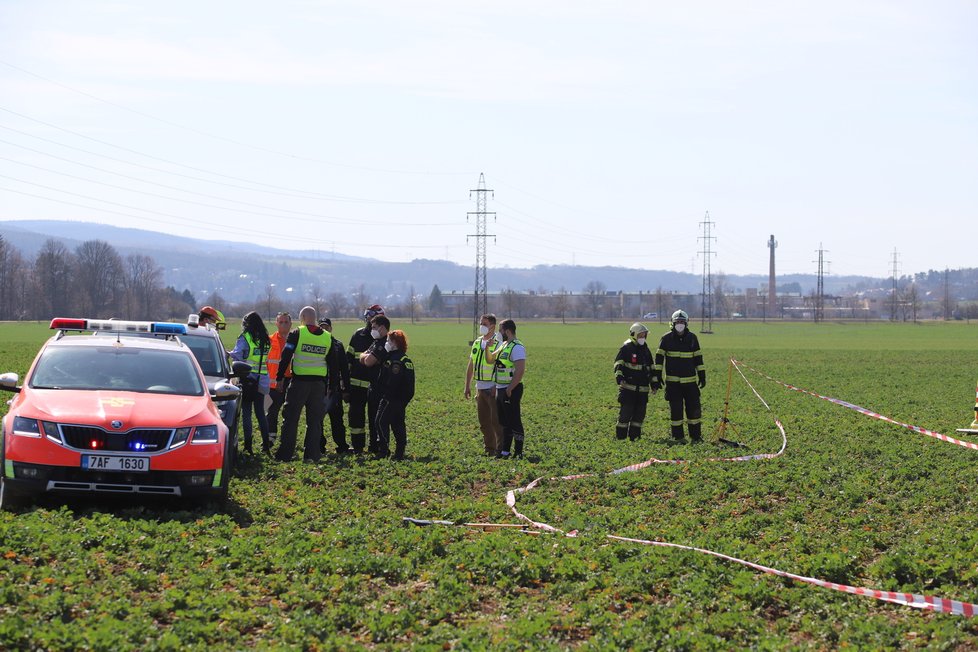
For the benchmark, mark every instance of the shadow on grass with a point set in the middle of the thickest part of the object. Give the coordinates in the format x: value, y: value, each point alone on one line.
x: 150, y: 508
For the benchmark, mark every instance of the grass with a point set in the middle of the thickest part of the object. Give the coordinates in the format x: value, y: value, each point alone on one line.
x: 316, y: 557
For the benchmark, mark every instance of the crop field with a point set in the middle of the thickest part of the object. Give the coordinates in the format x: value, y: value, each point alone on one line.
x: 318, y: 557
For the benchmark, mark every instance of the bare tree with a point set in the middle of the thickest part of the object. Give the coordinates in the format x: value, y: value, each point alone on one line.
x: 337, y: 304
x: 13, y: 276
x: 594, y: 295
x: 53, y: 270
x: 562, y: 304
x: 721, y: 290
x: 98, y: 277
x: 361, y: 299
x: 660, y: 303
x: 268, y: 302
x: 911, y: 302
x: 141, y: 286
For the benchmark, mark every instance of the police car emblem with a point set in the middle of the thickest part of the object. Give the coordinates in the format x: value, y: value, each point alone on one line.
x: 116, y: 424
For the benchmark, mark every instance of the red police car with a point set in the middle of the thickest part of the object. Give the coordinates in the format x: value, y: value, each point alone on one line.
x: 123, y: 415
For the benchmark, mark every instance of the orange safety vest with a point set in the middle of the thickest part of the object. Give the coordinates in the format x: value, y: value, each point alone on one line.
x: 275, y: 355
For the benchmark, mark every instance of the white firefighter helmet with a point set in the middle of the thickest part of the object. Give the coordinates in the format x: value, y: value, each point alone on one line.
x: 636, y: 329
x: 680, y: 316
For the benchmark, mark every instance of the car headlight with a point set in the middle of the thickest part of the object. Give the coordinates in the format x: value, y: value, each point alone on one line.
x: 205, y: 435
x: 180, y: 436
x: 26, y: 427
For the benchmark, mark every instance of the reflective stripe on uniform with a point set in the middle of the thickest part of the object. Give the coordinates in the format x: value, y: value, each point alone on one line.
x: 680, y: 379
x: 635, y: 388
x: 357, y: 382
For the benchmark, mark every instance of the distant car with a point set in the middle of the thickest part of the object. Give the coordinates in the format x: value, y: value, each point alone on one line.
x: 129, y: 415
x: 650, y: 315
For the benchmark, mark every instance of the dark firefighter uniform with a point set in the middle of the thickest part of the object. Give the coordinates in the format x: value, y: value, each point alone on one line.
x: 633, y: 373
x: 395, y: 389
x: 363, y: 405
x: 678, y: 360
x: 334, y: 402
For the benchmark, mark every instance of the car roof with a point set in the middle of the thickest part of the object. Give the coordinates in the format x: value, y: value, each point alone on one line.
x: 157, y: 343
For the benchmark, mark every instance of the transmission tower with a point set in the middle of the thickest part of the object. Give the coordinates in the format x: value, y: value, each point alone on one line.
x: 820, y: 288
x: 895, y: 274
x: 480, y: 303
x: 706, y: 312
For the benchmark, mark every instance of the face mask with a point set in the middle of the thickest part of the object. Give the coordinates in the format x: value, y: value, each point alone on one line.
x: 680, y: 327
x: 483, y: 330
x: 389, y: 346
x: 641, y: 341
x: 375, y: 334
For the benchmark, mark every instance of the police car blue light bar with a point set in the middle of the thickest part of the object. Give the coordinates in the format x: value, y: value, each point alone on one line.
x: 118, y: 326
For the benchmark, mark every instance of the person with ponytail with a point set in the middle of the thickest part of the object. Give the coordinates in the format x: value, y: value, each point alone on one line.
x: 252, y: 347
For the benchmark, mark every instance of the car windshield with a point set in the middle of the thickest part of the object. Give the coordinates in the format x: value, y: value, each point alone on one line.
x: 117, y: 368
x: 209, y: 353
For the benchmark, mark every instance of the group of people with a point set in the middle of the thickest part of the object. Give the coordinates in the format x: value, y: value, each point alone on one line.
x: 497, y: 364
x: 308, y: 369
x: 676, y: 365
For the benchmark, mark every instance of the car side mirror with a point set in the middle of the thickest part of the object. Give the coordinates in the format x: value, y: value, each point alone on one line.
x: 8, y: 381
x: 240, y: 369
x: 224, y: 391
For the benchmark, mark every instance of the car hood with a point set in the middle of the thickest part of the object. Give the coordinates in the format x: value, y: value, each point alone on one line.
x: 133, y: 409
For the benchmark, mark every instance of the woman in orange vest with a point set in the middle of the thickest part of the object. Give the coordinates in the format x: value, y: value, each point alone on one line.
x: 283, y: 324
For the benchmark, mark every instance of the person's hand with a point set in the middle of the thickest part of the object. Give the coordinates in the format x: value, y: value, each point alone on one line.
x: 619, y: 379
x: 468, y: 392
x: 656, y: 385
x: 346, y: 396
x: 702, y: 382
x: 509, y: 391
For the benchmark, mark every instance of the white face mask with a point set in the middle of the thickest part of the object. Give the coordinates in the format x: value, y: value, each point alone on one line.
x: 680, y: 327
x: 483, y: 330
x: 375, y: 334
x: 641, y: 341
x: 389, y: 346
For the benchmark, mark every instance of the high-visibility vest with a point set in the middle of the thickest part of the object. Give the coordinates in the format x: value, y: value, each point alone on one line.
x: 482, y: 367
x: 505, y: 367
x: 310, y: 354
x: 275, y: 355
x: 257, y: 356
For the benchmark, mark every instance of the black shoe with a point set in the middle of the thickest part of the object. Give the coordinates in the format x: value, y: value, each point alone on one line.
x: 502, y: 455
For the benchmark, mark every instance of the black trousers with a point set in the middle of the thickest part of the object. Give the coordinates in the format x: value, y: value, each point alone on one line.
x: 306, y: 394
x: 390, y: 417
x: 363, y: 411
x: 278, y: 400
x: 510, y: 418
x: 631, y: 414
x: 333, y: 406
x: 688, y: 395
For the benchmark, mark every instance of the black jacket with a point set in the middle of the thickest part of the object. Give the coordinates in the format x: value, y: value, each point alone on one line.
x: 679, y: 359
x: 396, y: 382
x: 633, y: 365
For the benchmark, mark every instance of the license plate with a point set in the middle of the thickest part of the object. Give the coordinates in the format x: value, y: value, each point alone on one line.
x: 115, y: 463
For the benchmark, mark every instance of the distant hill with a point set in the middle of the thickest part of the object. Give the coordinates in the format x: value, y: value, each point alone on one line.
x: 242, y: 271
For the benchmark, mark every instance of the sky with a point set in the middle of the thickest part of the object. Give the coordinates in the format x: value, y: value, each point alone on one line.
x: 609, y: 133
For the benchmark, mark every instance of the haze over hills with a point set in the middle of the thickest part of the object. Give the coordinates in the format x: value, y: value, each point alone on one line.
x: 242, y: 271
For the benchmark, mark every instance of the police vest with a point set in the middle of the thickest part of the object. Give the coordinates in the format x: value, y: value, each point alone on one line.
x: 310, y: 353
x: 483, y: 368
x: 256, y: 356
x: 504, y: 365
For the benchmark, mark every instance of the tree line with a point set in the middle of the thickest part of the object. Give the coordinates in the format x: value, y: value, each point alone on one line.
x: 93, y: 280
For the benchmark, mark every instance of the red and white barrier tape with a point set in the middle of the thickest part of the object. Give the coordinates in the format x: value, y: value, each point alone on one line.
x: 869, y: 413
x: 914, y: 600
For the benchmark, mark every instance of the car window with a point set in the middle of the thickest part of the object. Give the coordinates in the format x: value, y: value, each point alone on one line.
x: 209, y: 354
x: 117, y: 368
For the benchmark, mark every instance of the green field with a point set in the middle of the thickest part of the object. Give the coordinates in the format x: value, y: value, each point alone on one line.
x: 317, y: 557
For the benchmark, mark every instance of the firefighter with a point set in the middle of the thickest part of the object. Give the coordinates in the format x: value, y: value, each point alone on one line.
x: 679, y: 362
x: 395, y: 389
x: 374, y: 358
x: 362, y: 410
x: 633, y: 373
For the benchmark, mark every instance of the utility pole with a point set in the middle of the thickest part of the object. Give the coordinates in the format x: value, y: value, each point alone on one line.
x: 820, y: 287
x: 772, y: 291
x: 706, y: 312
x: 480, y: 303
x: 895, y: 275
